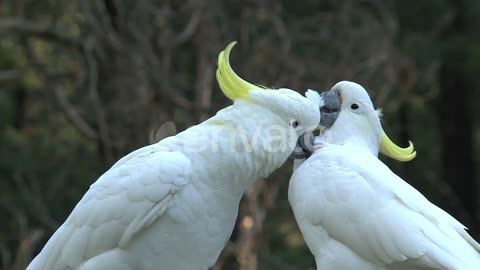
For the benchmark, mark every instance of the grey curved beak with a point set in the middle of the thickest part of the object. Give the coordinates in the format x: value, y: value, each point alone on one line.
x: 304, y: 146
x: 329, y: 112
x: 331, y: 108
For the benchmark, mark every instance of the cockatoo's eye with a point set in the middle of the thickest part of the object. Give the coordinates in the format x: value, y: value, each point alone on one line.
x: 295, y: 123
x: 357, y: 108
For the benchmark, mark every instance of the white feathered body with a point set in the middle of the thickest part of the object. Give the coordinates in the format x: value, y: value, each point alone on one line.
x: 354, y: 213
x: 171, y: 205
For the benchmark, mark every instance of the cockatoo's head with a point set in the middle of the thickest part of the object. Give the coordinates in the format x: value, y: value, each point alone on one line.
x: 348, y: 112
x: 292, y: 111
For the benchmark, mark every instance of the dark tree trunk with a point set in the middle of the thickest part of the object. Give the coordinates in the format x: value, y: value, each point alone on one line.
x: 404, y: 136
x: 455, y: 117
x: 20, y: 99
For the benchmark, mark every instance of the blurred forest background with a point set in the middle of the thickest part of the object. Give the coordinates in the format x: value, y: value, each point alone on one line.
x: 83, y: 83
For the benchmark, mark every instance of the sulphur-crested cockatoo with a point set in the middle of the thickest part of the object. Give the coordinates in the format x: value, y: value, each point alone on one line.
x: 172, y: 205
x: 355, y: 213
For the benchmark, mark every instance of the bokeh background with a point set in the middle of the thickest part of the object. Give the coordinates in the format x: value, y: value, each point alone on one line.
x: 84, y: 82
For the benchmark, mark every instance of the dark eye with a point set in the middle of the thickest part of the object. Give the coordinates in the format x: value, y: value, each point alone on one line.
x: 354, y: 106
x: 295, y: 124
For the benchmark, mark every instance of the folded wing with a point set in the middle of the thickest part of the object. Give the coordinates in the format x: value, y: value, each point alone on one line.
x: 122, y: 202
x: 362, y: 204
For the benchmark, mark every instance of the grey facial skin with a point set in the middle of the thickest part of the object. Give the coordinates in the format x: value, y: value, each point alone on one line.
x: 329, y: 114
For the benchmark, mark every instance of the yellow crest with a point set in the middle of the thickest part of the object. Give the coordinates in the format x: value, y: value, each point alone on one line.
x: 390, y: 149
x: 231, y: 84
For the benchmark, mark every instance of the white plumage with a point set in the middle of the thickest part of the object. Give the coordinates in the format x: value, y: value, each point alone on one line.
x: 173, y: 205
x: 355, y: 213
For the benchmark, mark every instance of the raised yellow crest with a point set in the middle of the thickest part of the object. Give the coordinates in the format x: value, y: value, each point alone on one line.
x: 231, y: 84
x: 390, y: 149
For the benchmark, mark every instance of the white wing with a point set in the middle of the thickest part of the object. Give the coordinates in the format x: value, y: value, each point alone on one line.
x: 123, y: 201
x: 359, y: 202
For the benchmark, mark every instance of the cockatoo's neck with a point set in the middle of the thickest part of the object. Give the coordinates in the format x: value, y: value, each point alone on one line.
x: 246, y: 142
x: 354, y: 136
x: 257, y: 137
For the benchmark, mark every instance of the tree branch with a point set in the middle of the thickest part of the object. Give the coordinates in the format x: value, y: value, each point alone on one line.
x: 38, y: 30
x: 74, y: 116
x: 10, y: 75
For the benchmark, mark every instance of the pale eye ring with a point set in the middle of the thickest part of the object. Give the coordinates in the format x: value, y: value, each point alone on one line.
x: 295, y: 123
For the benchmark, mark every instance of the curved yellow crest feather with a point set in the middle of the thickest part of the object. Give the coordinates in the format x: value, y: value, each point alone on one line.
x: 390, y: 149
x: 231, y: 84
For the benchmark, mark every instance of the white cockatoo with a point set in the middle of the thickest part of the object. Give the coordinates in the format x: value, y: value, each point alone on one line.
x: 355, y: 213
x: 173, y: 205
